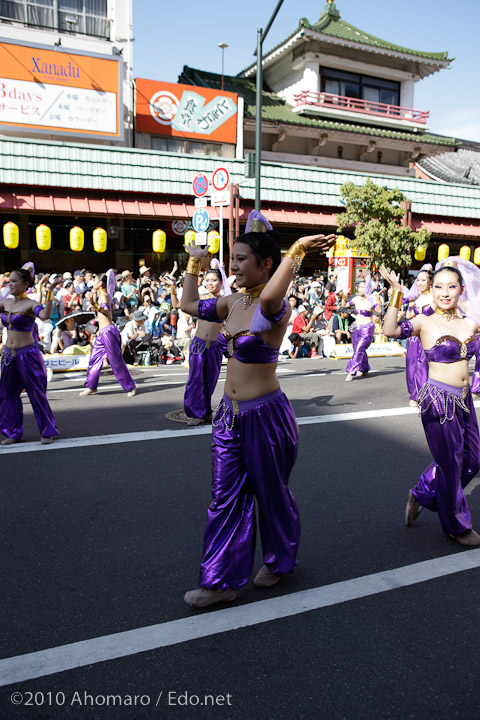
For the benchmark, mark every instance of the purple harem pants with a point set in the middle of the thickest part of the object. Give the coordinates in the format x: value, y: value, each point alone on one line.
x: 205, y: 361
x: 254, y: 449
x: 416, y: 367
x: 108, y: 345
x: 362, y: 337
x: 24, y: 369
x: 451, y: 429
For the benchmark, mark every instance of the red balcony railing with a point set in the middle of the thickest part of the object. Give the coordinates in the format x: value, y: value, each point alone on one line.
x: 357, y: 105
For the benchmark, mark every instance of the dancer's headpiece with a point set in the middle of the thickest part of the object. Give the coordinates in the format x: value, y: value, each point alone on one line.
x: 111, y: 283
x: 256, y: 222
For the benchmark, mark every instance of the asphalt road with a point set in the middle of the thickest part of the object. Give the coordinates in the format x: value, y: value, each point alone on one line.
x: 103, y: 535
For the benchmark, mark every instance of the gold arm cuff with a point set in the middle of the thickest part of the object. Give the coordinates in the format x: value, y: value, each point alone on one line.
x: 296, y: 251
x: 194, y: 265
x: 396, y: 299
x: 49, y: 296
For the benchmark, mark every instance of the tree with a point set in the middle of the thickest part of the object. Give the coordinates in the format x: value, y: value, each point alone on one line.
x: 376, y: 215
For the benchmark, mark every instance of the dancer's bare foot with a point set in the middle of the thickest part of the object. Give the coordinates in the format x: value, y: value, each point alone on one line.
x: 412, y: 509
x: 192, y: 422
x: 413, y: 403
x: 467, y: 538
x: 203, y: 597
x: 132, y: 393
x: 87, y: 391
x: 349, y: 377
x: 46, y: 440
x: 265, y: 578
x: 10, y: 441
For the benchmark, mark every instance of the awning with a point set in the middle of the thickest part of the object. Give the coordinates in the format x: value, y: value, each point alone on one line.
x: 452, y: 226
x: 124, y: 204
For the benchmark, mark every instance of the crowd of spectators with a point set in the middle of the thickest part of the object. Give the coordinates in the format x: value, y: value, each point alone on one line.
x: 154, y: 329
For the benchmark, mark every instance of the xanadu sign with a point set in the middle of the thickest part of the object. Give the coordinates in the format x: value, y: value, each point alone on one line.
x: 186, y: 111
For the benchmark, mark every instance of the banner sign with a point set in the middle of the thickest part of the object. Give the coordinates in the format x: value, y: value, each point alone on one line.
x: 383, y: 349
x: 186, y: 111
x: 49, y: 90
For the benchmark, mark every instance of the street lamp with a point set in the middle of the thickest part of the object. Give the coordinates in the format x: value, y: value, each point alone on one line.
x: 258, y: 120
x: 223, y: 46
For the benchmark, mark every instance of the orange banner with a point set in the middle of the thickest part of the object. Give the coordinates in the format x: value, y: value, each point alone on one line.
x: 186, y: 111
x: 46, y: 89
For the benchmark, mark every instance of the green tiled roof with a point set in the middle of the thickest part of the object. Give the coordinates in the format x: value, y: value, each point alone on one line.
x: 92, y: 167
x: 330, y: 23
x: 277, y: 110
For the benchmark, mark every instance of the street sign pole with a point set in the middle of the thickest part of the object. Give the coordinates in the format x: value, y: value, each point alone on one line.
x: 220, y: 216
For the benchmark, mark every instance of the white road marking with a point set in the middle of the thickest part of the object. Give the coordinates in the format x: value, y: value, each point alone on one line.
x: 131, y: 642
x: 150, y: 435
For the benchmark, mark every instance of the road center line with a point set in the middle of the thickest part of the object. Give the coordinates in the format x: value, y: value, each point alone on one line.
x: 110, y: 647
x: 149, y: 435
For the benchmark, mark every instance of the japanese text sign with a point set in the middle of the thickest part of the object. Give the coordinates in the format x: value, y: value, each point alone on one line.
x: 186, y: 111
x: 43, y: 89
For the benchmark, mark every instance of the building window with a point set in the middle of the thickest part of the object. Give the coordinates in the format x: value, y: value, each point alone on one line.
x: 177, y: 145
x: 83, y: 17
x: 363, y: 87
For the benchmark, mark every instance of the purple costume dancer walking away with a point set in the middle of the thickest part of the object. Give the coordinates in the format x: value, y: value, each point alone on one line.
x: 449, y: 339
x: 419, y: 299
x: 255, y: 434
x: 22, y: 366
x: 363, y: 330
x: 107, y: 343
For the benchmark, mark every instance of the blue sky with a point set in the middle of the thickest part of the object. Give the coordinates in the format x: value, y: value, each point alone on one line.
x: 169, y: 35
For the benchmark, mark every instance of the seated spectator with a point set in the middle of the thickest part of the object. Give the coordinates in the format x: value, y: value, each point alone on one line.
x: 297, y: 348
x: 341, y: 325
x: 303, y: 327
x: 45, y: 330
x: 71, y: 300
x: 71, y: 334
x: 171, y: 353
x: 135, y: 338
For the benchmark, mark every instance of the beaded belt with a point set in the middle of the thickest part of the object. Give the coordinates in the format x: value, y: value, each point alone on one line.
x: 199, y: 346
x: 441, y: 396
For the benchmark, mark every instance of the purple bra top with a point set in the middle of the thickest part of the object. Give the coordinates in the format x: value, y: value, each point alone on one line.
x: 448, y: 349
x: 365, y: 313
x: 247, y: 347
x: 20, y: 321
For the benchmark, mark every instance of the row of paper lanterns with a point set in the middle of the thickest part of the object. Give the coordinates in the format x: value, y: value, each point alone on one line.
x: 43, y: 237
x: 444, y: 252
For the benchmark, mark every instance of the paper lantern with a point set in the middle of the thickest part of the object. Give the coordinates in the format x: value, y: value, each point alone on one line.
x: 420, y: 253
x: 465, y: 252
x: 443, y: 251
x: 159, y: 241
x: 340, y: 246
x: 43, y: 236
x: 10, y: 235
x: 77, y: 239
x: 99, y: 240
x: 476, y: 256
x: 189, y: 238
x: 213, y: 240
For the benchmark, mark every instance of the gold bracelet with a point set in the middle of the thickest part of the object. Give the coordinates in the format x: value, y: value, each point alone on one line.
x: 49, y: 296
x: 296, y: 253
x: 194, y: 265
x: 396, y: 299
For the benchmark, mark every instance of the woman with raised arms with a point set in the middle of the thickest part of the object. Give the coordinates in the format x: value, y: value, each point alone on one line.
x: 449, y: 339
x: 255, y: 433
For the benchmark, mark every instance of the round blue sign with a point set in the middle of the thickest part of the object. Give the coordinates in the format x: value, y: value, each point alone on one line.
x: 200, y: 220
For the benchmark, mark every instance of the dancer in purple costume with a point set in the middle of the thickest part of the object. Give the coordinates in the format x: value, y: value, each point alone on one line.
x: 255, y: 433
x: 419, y: 299
x: 449, y: 339
x: 22, y: 365
x: 107, y: 343
x: 205, y: 356
x: 363, y: 329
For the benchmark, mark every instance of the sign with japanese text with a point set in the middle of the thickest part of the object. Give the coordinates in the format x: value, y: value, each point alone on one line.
x: 186, y: 111
x: 45, y: 90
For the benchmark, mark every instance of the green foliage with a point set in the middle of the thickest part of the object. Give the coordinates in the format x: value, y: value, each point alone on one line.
x: 376, y: 215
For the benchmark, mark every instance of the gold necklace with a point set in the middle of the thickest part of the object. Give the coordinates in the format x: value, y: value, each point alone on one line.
x: 250, y: 294
x: 448, y: 314
x: 22, y: 296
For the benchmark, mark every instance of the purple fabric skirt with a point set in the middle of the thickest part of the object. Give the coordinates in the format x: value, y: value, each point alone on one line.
x: 416, y: 367
x: 361, y: 339
x: 205, y: 361
x: 254, y: 449
x: 108, y: 345
x: 451, y: 429
x: 24, y: 369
